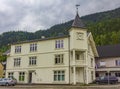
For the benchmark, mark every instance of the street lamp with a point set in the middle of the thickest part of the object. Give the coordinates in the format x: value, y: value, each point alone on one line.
x: 108, y: 77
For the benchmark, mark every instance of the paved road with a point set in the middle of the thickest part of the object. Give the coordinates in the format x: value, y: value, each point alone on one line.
x: 60, y: 87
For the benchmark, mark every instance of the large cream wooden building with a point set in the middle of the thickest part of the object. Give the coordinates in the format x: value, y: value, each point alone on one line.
x: 59, y: 60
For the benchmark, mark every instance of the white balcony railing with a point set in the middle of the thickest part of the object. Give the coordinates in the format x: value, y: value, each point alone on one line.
x: 78, y: 63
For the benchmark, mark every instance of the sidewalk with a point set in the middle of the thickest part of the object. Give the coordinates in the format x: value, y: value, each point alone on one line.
x: 43, y: 86
x: 68, y: 86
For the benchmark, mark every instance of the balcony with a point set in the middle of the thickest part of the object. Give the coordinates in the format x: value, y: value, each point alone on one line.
x: 78, y: 58
x: 79, y: 63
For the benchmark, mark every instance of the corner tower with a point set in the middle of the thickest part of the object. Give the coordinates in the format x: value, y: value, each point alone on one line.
x: 78, y: 51
x: 78, y: 34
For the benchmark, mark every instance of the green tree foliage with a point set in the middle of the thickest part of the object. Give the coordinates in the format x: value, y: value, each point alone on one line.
x: 2, y: 58
x: 106, y: 31
x: 12, y: 36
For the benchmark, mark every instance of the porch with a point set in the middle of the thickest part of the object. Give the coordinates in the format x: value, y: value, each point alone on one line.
x: 78, y: 75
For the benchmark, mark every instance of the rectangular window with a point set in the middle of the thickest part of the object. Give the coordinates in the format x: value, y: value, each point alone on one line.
x: 107, y: 74
x: 10, y: 75
x: 17, y: 49
x: 92, y: 62
x: 102, y: 64
x: 33, y: 47
x: 59, y: 59
x: 59, y: 44
x: 59, y: 75
x: 117, y: 62
x: 21, y: 76
x: 117, y: 74
x: 17, y: 62
x: 32, y: 60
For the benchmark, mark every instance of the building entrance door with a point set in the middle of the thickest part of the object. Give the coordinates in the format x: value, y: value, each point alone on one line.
x: 30, y: 77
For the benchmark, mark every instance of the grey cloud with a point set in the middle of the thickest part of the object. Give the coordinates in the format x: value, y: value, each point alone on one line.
x: 32, y: 15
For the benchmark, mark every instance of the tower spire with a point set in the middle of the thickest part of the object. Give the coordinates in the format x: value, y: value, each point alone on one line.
x: 77, y: 21
x: 77, y: 5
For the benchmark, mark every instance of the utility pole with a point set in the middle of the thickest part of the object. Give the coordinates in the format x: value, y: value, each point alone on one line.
x: 108, y: 77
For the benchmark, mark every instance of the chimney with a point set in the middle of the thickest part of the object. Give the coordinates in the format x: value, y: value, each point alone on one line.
x: 60, y: 34
x: 42, y: 37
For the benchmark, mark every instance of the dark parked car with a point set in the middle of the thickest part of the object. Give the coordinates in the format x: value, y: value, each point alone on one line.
x: 107, y: 79
x: 7, y: 81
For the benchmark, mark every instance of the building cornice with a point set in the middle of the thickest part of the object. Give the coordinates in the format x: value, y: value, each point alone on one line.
x: 43, y: 39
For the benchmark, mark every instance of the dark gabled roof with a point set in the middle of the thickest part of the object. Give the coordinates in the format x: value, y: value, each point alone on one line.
x: 7, y: 52
x: 78, y: 22
x: 109, y: 51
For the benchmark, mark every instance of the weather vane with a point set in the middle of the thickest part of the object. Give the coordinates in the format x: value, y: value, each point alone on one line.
x: 77, y: 5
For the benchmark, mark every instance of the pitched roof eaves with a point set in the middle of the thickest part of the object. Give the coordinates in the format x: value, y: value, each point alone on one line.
x: 44, y: 39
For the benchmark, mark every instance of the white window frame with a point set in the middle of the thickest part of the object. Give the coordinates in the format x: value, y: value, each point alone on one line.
x: 117, y: 62
x: 59, y: 44
x: 32, y: 60
x: 10, y: 75
x: 21, y: 76
x: 117, y: 74
x: 18, y: 49
x: 33, y: 47
x: 17, y: 62
x: 59, y: 58
x: 102, y: 63
x: 59, y: 75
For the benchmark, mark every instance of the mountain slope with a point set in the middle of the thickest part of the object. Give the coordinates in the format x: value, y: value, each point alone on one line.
x: 102, y: 16
x: 93, y: 18
x: 104, y: 27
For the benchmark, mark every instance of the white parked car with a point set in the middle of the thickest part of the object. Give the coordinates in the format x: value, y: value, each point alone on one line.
x: 7, y: 82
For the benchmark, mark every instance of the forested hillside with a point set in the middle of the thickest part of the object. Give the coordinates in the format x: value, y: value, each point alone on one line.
x: 105, y: 27
x: 106, y: 32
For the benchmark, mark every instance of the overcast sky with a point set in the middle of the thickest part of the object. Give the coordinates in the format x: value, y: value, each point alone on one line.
x: 32, y: 15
